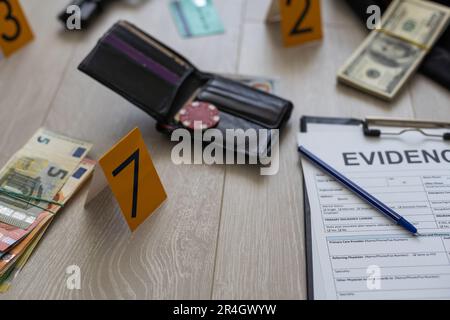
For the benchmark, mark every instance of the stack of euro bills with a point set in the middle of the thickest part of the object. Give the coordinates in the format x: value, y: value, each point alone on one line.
x: 34, y: 185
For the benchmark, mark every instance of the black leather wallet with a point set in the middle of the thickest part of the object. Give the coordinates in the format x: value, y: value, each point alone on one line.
x: 160, y: 81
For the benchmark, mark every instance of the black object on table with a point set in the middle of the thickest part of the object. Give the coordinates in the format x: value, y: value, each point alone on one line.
x: 160, y: 81
x: 90, y: 9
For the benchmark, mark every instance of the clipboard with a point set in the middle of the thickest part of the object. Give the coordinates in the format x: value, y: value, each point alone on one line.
x: 370, y: 127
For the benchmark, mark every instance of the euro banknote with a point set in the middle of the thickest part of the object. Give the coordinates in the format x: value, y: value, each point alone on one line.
x: 32, y: 178
x: 76, y: 180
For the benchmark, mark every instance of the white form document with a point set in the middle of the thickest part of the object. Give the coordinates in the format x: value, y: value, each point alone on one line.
x: 358, y: 253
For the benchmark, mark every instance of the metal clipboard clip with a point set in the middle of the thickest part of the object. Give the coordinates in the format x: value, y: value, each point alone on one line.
x: 405, y: 126
x: 370, y: 126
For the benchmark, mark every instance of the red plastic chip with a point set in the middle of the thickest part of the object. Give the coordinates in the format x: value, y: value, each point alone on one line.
x: 199, y: 115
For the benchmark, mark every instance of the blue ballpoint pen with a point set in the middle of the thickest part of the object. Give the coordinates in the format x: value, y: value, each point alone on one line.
x: 377, y: 204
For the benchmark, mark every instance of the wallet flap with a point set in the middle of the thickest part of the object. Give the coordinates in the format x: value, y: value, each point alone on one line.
x: 139, y: 68
x: 249, y: 103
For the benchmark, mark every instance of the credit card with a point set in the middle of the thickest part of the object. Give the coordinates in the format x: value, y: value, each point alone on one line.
x: 196, y: 18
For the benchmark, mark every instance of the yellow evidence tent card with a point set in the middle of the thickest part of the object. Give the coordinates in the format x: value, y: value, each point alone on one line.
x: 133, y: 179
x: 14, y: 29
x: 300, y: 21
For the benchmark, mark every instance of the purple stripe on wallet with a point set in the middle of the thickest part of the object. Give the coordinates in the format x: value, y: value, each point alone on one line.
x: 141, y: 58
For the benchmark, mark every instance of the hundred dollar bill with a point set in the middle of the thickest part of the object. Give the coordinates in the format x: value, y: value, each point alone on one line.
x: 35, y: 174
x: 9, y: 259
x: 392, y: 53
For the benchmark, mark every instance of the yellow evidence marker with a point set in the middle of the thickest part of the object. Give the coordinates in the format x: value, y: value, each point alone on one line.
x: 301, y: 20
x: 15, y: 31
x: 133, y: 179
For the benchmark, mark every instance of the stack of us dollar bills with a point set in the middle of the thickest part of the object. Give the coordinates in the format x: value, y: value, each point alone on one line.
x: 34, y: 185
x: 394, y: 50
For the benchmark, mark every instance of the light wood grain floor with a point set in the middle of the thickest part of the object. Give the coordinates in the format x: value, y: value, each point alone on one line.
x: 225, y: 232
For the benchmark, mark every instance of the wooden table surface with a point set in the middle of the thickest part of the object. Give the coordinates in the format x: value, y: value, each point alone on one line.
x: 226, y: 232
